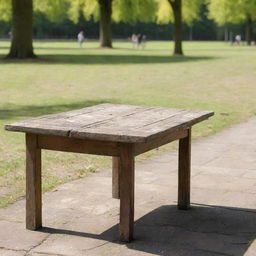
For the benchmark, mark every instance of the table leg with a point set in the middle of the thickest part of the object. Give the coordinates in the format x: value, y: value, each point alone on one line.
x: 184, y: 172
x: 33, y: 183
x: 116, y: 177
x: 126, y: 192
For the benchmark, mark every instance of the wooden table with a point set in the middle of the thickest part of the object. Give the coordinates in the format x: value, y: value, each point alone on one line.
x: 120, y: 131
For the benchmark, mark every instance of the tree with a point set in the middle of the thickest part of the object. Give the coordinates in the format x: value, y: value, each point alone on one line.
x: 226, y: 11
x: 22, y: 16
x: 176, y: 11
x: 107, y: 11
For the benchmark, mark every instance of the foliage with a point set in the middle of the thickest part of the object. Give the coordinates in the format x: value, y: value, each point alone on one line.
x: 5, y: 10
x: 228, y: 11
x: 134, y: 10
x: 190, y: 10
x: 123, y: 10
x: 55, y: 10
x: 89, y: 8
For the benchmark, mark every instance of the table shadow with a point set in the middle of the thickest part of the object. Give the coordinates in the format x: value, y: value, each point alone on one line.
x: 204, y: 230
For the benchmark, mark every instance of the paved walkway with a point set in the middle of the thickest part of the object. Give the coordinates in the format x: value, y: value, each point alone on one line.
x: 80, y: 217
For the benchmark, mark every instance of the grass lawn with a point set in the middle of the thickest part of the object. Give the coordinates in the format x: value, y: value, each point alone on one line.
x: 212, y: 76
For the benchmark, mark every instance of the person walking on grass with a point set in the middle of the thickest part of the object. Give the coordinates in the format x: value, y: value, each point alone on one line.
x: 144, y: 41
x: 80, y: 38
x: 139, y: 36
x: 238, y: 39
x: 134, y: 40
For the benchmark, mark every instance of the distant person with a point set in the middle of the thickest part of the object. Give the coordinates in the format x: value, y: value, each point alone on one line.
x: 238, y: 39
x: 134, y: 40
x: 80, y: 38
x: 10, y: 35
x: 144, y: 41
x: 139, y: 40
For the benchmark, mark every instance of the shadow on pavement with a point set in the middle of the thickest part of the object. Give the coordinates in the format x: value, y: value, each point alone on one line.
x: 202, y: 231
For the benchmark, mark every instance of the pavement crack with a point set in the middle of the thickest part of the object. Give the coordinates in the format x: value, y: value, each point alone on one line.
x: 33, y: 247
x: 14, y: 250
x: 50, y: 254
x: 98, y: 246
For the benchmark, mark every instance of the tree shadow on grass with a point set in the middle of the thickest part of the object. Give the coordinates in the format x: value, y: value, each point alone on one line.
x: 202, y: 231
x: 12, y: 111
x: 106, y: 59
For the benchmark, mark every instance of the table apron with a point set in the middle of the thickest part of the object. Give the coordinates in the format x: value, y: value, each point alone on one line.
x: 106, y: 148
x: 66, y: 144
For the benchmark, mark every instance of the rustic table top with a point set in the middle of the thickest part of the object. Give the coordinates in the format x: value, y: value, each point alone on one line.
x: 113, y: 122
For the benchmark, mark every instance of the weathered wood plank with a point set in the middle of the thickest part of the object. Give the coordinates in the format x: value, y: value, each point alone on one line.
x: 78, y: 146
x: 108, y: 134
x: 116, y: 177
x: 63, y: 124
x: 179, y: 121
x: 126, y: 192
x: 144, y: 147
x: 135, y: 132
x: 113, y: 122
x: 33, y: 183
x: 138, y: 119
x: 141, y: 134
x: 38, y: 129
x: 184, y: 172
x: 177, y: 124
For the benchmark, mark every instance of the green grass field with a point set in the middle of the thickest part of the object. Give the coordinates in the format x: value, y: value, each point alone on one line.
x: 212, y: 76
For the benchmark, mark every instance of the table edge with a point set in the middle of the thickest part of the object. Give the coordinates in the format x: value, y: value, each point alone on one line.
x: 107, y: 137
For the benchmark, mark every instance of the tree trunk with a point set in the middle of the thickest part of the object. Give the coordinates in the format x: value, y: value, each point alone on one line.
x: 177, y: 12
x: 22, y: 46
x: 105, y: 23
x: 248, y: 33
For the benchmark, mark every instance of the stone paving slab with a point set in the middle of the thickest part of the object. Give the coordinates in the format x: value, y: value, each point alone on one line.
x: 12, y: 252
x: 80, y: 218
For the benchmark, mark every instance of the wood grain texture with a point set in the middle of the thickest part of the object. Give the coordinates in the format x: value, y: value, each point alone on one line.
x: 184, y: 172
x: 65, y: 144
x: 126, y: 192
x: 113, y: 122
x: 33, y: 183
x: 116, y: 177
x: 160, y: 141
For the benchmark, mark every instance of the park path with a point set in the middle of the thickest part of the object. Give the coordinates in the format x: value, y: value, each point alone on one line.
x: 80, y: 217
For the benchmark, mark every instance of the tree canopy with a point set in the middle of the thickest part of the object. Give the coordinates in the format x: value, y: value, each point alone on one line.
x: 122, y: 10
x: 190, y: 11
x: 55, y: 10
x: 228, y: 11
x: 5, y: 10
